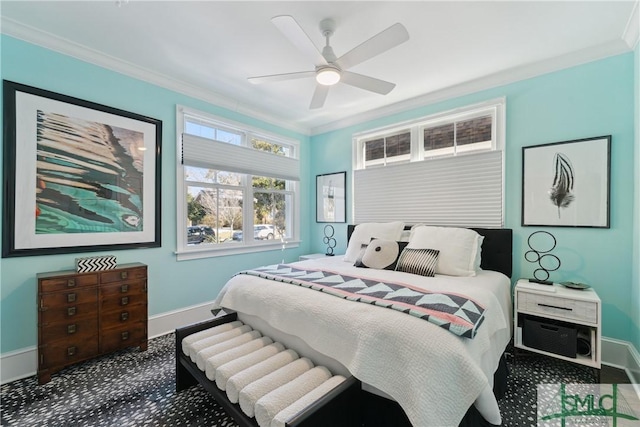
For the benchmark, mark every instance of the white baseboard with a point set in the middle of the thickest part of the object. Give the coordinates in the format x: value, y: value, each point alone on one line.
x: 165, y: 323
x: 23, y: 363
x: 18, y: 364
x: 622, y: 355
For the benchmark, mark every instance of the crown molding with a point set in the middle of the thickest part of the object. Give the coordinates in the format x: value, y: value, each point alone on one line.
x: 501, y: 78
x: 70, y: 48
x: 64, y: 46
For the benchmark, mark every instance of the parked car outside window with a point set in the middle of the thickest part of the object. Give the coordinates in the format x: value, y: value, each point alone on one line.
x: 260, y: 232
x: 197, y: 234
x: 263, y: 231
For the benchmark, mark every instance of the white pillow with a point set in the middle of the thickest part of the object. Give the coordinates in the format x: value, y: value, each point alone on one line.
x: 363, y: 233
x: 478, y: 260
x: 459, y: 248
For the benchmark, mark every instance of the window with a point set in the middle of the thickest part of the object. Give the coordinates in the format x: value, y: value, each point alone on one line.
x: 395, y: 147
x: 445, y: 169
x: 458, y: 136
x: 238, y: 187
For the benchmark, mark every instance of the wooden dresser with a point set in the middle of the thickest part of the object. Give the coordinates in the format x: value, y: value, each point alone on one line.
x: 84, y: 315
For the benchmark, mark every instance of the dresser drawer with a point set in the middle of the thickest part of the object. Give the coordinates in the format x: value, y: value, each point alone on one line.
x: 63, y: 306
x: 123, y: 289
x: 123, y: 275
x: 64, y: 299
x: 61, y: 283
x: 121, y: 302
x: 61, y: 353
x: 123, y: 317
x: 71, y: 330
x: 565, y: 308
x: 127, y: 336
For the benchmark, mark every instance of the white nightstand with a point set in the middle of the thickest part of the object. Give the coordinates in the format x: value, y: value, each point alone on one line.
x: 537, y: 310
x: 311, y: 256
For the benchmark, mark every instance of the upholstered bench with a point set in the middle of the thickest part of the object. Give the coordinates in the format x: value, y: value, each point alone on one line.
x: 259, y: 382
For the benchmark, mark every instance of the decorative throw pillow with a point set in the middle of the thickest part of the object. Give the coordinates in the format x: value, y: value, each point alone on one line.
x: 418, y: 261
x: 381, y: 254
x: 363, y: 233
x: 459, y: 248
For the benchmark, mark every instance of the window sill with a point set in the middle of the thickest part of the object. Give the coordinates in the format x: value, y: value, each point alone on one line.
x: 197, y: 253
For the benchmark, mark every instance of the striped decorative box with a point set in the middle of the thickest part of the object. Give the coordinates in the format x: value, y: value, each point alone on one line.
x: 95, y: 263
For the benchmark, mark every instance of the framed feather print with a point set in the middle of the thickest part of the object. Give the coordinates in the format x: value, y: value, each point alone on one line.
x: 566, y: 184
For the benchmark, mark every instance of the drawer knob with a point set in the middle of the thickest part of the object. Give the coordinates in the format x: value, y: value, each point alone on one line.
x: 71, y: 297
x: 124, y: 289
x: 72, y: 329
x: 125, y: 335
x: 124, y: 316
x: 124, y: 301
x: 71, y: 283
x: 71, y: 351
x: 124, y: 274
x: 71, y: 311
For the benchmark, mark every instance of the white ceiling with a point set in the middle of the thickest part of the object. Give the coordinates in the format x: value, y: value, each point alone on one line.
x: 208, y: 49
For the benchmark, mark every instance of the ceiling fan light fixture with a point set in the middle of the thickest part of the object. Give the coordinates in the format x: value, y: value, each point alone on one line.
x: 328, y: 76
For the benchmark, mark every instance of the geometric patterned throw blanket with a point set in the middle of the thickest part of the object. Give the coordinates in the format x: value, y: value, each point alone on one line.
x: 456, y: 313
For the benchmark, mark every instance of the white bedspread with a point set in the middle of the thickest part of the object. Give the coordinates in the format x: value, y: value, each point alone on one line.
x: 433, y: 374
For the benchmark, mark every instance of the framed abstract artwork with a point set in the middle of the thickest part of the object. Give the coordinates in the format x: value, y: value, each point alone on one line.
x: 79, y: 176
x: 567, y: 184
x: 331, y: 201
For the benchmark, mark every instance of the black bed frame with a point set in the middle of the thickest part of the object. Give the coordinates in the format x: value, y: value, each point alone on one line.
x: 348, y: 405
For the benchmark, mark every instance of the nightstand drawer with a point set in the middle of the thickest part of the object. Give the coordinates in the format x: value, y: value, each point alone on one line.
x: 547, y: 305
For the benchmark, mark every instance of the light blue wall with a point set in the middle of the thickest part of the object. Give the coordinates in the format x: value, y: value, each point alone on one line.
x: 635, y: 298
x: 586, y: 101
x: 589, y: 100
x: 172, y: 285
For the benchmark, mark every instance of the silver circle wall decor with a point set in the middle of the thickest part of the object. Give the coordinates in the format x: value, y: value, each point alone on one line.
x: 546, y: 261
x: 329, y: 240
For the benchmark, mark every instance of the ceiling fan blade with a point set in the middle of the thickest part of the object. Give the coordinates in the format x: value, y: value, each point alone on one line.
x: 296, y: 35
x: 319, y: 96
x: 281, y: 77
x: 367, y: 83
x: 381, y: 42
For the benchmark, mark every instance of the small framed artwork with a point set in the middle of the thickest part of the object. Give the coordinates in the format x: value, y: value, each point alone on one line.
x: 78, y: 176
x: 567, y: 184
x: 331, y: 201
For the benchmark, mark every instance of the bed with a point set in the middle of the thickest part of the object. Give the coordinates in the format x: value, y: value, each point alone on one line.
x: 440, y: 372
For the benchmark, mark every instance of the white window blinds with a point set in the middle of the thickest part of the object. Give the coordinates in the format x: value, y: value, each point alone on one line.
x: 212, y: 154
x: 459, y: 191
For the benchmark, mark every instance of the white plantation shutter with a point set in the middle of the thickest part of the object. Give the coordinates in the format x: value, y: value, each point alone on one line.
x: 462, y: 191
x: 211, y: 154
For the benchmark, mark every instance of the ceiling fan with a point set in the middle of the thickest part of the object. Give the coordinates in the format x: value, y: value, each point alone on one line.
x: 330, y: 70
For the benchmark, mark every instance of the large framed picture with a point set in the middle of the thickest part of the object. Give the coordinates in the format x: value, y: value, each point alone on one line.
x: 78, y: 176
x: 331, y: 201
x: 566, y: 184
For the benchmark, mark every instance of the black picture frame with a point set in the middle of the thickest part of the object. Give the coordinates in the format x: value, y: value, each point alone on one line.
x: 567, y: 184
x: 79, y: 176
x: 331, y: 197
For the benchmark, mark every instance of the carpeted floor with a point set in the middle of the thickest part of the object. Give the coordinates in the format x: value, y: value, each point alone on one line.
x: 132, y: 388
x: 127, y: 388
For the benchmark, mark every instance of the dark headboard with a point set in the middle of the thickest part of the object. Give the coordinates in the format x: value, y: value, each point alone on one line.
x: 497, y: 248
